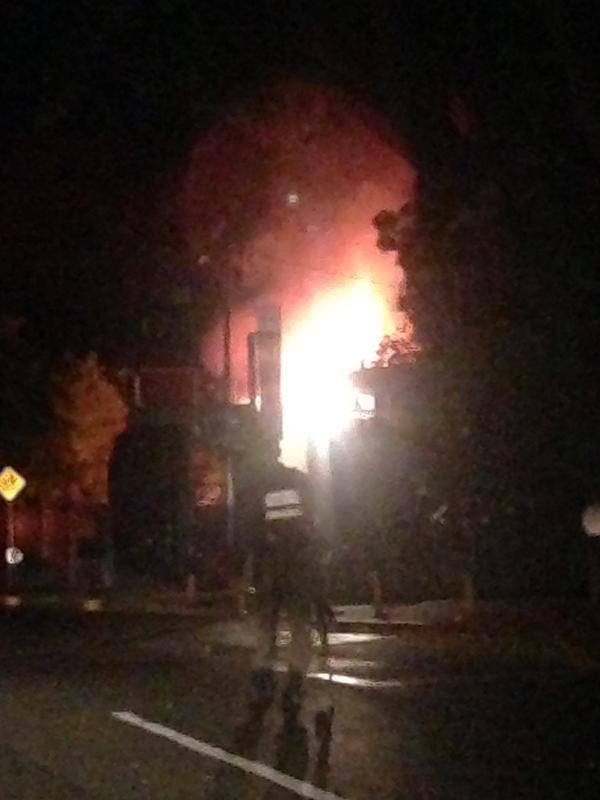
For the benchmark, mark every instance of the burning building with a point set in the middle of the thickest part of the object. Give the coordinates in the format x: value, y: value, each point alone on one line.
x: 277, y: 207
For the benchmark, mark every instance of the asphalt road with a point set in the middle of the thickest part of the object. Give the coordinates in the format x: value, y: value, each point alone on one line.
x: 116, y: 708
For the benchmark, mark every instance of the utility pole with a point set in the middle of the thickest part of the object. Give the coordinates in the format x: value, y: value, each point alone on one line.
x: 227, y: 355
x: 227, y: 402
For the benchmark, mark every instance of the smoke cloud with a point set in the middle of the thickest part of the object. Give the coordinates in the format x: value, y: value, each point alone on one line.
x: 277, y: 205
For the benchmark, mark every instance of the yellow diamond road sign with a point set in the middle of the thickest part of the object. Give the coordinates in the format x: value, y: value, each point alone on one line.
x: 11, y: 484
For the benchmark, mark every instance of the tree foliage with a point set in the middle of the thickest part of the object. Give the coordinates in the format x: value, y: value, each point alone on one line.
x: 59, y: 420
x: 456, y: 252
x: 89, y: 414
x: 496, y: 269
x: 399, y: 347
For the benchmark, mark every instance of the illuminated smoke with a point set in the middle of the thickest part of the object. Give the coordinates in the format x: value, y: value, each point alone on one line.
x: 282, y: 194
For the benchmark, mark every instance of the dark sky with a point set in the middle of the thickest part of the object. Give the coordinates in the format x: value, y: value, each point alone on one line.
x: 101, y: 103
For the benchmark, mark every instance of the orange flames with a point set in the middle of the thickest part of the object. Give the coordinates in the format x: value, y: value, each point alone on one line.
x: 340, y: 329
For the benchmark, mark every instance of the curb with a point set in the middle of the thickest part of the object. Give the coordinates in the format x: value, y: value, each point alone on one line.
x: 19, y: 605
x: 15, y: 604
x: 215, y: 607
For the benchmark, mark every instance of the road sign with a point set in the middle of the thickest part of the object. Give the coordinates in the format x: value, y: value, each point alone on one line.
x: 13, y: 555
x: 12, y: 484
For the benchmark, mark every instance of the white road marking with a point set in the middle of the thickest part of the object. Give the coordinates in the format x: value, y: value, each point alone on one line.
x: 351, y: 680
x: 284, y: 637
x: 300, y: 788
x: 334, y: 664
x: 354, y: 638
x: 350, y: 663
x: 407, y: 684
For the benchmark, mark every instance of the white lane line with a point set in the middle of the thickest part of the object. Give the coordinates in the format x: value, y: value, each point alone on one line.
x: 334, y: 663
x: 408, y: 684
x: 350, y: 680
x: 395, y: 683
x: 252, y: 767
x: 351, y: 663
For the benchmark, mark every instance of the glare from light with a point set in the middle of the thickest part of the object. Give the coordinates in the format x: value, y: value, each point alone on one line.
x: 13, y: 556
x: 92, y: 605
x: 342, y: 328
x: 591, y: 520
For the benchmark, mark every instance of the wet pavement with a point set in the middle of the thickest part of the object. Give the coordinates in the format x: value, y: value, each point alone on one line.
x: 106, y: 708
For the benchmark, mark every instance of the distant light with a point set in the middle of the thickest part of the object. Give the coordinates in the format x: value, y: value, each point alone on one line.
x: 92, y: 605
x: 283, y: 504
x: 591, y: 520
x: 364, y: 405
x: 282, y: 497
x: 13, y: 555
x: 208, y: 495
x: 292, y: 198
x: 282, y: 513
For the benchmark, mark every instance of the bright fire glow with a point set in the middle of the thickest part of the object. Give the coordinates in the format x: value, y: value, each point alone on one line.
x: 341, y: 328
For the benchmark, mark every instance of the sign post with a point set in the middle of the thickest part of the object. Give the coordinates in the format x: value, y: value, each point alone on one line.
x: 11, y: 485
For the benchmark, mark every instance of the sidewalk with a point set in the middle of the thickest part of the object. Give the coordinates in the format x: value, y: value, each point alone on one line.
x: 129, y: 594
x: 524, y: 633
x: 576, y: 622
x: 141, y: 600
x: 429, y: 613
x: 223, y: 607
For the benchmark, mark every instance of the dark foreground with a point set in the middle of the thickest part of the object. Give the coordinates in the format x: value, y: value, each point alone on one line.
x: 79, y: 697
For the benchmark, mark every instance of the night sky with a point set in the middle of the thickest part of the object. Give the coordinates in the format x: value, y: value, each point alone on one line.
x: 102, y: 103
